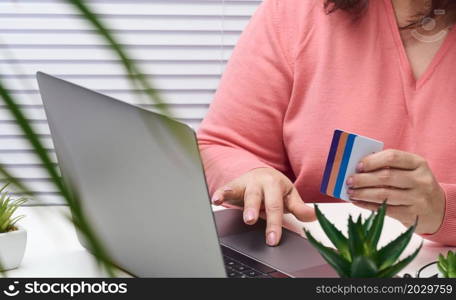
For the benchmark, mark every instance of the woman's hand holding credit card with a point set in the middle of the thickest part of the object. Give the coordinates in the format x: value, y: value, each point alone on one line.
x: 345, y: 153
x: 359, y: 170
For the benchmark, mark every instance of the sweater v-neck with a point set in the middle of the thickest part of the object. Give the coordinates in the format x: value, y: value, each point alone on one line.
x: 406, y: 69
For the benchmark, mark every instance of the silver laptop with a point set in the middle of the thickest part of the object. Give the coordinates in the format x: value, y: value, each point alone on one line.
x: 141, y: 183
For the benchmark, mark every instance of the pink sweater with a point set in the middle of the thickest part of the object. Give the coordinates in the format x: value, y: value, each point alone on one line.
x: 297, y: 74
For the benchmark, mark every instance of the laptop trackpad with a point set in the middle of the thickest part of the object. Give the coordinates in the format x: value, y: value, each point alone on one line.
x: 294, y: 255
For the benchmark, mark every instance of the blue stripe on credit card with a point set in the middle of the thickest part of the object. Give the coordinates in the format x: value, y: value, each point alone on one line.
x: 344, y: 164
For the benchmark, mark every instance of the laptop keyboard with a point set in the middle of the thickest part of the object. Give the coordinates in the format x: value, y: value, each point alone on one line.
x: 236, y: 269
x: 240, y: 266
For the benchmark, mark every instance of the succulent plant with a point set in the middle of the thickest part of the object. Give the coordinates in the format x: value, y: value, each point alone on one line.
x: 8, y: 207
x: 357, y: 255
x: 447, y: 265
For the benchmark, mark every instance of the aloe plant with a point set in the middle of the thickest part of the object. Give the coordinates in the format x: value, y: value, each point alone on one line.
x: 8, y: 207
x: 447, y: 265
x: 357, y: 255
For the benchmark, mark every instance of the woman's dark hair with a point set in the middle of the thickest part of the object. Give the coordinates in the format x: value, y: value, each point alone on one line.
x: 357, y: 7
x: 352, y: 6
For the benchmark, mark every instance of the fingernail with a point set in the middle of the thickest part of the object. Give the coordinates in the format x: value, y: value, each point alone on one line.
x: 360, y: 167
x: 350, y: 191
x: 249, y: 216
x: 271, y: 238
x: 227, y: 189
x: 350, y: 181
x: 216, y: 200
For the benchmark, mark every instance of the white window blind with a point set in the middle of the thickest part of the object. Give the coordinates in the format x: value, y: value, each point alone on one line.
x: 182, y: 45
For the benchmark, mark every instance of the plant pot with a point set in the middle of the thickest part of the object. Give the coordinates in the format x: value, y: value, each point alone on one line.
x: 12, y: 248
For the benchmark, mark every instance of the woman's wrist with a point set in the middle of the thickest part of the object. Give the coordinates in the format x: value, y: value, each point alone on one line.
x: 434, y: 219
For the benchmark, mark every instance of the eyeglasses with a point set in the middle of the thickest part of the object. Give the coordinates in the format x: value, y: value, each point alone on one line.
x: 427, y: 271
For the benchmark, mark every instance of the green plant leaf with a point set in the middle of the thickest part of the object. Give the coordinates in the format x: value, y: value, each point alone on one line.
x: 3, y: 189
x: 334, y: 234
x: 359, y: 221
x: 135, y: 74
x: 338, y: 262
x: 442, y: 265
x: 442, y: 271
x: 447, y: 264
x: 356, y: 239
x: 391, y: 252
x: 29, y: 133
x: 137, y: 78
x: 70, y: 198
x: 15, y: 181
x: 363, y: 267
x: 451, y: 258
x: 8, y: 207
x: 394, y: 269
x: 375, y: 231
x: 14, y: 220
x: 368, y: 223
x: 132, y: 69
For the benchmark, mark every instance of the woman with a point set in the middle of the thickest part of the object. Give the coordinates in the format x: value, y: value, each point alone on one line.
x: 302, y: 68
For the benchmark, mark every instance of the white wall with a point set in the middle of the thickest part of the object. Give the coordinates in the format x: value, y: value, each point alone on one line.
x: 182, y: 45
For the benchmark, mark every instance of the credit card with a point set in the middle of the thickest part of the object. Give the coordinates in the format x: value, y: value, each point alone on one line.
x: 346, y: 151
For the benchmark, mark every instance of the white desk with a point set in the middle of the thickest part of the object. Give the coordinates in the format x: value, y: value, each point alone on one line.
x: 54, y: 251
